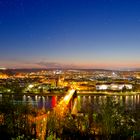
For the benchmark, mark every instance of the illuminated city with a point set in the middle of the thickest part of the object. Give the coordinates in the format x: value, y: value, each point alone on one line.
x: 69, y: 70
x: 68, y: 92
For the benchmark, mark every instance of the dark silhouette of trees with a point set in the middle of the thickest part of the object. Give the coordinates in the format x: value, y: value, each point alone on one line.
x: 14, y: 120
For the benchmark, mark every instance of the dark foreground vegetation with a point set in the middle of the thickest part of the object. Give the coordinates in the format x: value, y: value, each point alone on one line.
x: 109, y: 121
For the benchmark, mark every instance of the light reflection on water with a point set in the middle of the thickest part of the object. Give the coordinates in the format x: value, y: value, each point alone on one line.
x: 131, y: 102
x: 48, y: 102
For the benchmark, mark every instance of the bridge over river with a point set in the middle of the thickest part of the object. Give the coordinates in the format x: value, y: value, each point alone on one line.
x: 60, y: 110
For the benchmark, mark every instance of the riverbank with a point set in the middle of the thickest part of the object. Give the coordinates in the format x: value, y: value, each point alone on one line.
x: 108, y: 93
x: 85, y: 93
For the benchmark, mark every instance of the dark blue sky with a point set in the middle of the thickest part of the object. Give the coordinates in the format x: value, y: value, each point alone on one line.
x: 84, y: 33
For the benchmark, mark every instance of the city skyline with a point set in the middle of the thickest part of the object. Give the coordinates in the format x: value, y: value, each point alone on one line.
x: 75, y: 34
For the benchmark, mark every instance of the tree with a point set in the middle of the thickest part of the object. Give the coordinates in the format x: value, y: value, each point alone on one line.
x: 15, y: 119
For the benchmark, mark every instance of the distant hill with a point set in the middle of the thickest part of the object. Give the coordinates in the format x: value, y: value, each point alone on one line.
x: 14, y: 71
x: 7, y: 72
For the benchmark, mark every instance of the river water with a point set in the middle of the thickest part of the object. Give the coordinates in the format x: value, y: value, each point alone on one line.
x: 83, y: 102
x: 129, y: 102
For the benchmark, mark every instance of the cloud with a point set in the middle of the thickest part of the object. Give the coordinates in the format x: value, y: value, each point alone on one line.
x: 55, y: 65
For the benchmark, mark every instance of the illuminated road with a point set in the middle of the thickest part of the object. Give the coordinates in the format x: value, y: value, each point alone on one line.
x: 60, y: 110
x: 40, y: 125
x: 61, y: 107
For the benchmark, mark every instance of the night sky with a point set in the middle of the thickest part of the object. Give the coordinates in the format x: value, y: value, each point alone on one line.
x: 70, y: 33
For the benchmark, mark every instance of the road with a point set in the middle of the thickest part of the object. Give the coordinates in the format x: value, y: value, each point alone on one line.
x: 61, y: 107
x: 41, y: 120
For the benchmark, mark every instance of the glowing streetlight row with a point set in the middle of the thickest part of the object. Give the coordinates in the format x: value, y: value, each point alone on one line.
x: 61, y: 107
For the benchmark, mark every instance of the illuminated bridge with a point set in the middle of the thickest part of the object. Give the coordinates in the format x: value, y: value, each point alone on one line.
x: 61, y: 107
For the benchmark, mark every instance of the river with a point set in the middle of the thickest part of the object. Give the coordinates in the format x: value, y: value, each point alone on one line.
x: 94, y: 101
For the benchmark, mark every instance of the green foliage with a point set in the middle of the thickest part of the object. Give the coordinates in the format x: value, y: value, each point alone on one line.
x: 52, y: 137
x: 19, y: 138
x: 15, y: 119
x: 114, y: 119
